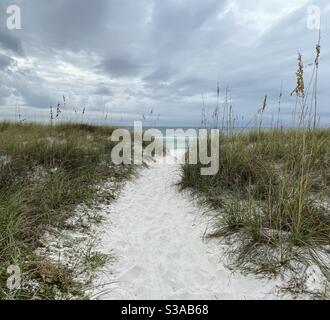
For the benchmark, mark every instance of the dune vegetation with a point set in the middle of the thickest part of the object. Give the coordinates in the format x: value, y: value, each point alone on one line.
x: 271, y: 196
x: 45, y: 172
x: 272, y: 192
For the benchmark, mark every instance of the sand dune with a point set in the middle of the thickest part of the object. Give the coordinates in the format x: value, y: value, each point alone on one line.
x: 156, y: 235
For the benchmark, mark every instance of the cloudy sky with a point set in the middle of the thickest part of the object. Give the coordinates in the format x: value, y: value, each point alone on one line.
x: 119, y: 59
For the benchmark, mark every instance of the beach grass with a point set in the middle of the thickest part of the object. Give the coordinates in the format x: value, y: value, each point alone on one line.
x: 272, y: 193
x: 45, y: 172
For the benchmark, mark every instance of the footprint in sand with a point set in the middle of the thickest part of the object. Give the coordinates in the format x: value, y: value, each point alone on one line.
x: 156, y: 235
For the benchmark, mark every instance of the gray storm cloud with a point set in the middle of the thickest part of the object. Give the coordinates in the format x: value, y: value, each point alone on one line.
x: 127, y: 57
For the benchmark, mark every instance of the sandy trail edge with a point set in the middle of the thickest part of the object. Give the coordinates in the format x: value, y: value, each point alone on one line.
x: 156, y: 234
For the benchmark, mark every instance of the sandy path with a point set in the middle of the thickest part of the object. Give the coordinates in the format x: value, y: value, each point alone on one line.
x: 156, y: 234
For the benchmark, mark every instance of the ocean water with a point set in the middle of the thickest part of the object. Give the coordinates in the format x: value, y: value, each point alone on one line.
x: 182, y: 141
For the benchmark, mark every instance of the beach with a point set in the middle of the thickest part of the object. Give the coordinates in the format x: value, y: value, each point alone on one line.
x: 157, y: 236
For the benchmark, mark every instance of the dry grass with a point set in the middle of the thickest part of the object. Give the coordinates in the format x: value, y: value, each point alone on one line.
x: 271, y: 195
x: 45, y: 172
x: 273, y: 191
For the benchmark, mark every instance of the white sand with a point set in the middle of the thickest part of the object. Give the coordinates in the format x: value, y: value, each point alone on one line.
x: 156, y: 235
